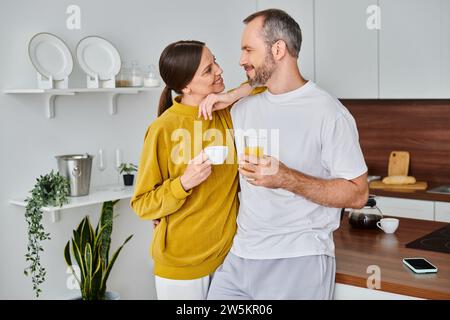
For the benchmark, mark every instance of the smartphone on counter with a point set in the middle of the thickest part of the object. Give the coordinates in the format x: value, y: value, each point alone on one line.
x: 420, y: 265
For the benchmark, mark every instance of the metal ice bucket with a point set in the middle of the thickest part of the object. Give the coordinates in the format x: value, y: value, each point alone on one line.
x: 77, y: 168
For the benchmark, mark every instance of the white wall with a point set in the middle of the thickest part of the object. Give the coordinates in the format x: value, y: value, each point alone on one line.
x: 140, y: 29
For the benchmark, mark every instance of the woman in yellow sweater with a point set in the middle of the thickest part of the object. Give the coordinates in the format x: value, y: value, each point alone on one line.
x: 195, y: 202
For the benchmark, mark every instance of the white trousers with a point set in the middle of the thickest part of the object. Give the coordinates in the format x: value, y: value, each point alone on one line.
x: 170, y: 289
x: 297, y: 278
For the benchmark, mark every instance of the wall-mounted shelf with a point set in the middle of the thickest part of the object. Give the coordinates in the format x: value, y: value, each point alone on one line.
x: 96, y: 195
x: 51, y: 94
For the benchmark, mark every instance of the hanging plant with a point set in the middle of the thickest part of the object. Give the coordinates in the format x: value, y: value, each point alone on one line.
x: 50, y: 190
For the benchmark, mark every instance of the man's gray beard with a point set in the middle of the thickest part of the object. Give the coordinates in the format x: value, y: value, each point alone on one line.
x: 263, y: 74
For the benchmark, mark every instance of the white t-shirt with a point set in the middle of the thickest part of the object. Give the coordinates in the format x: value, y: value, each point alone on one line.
x: 309, y: 131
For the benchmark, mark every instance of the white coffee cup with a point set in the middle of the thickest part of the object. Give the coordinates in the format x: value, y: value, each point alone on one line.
x: 388, y: 225
x: 217, y: 154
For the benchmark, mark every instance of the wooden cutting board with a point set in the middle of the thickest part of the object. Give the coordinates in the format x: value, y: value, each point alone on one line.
x: 419, y: 185
x: 398, y: 163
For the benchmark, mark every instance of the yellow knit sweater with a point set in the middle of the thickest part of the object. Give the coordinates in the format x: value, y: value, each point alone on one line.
x: 197, y: 227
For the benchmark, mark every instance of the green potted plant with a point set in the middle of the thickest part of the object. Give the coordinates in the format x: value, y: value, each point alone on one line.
x: 90, y: 249
x: 50, y: 190
x: 128, y: 169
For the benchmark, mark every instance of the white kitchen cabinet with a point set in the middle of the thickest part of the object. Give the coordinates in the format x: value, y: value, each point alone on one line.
x: 346, y: 50
x: 302, y: 12
x: 445, y: 47
x: 442, y: 211
x: 410, y: 49
x: 406, y: 208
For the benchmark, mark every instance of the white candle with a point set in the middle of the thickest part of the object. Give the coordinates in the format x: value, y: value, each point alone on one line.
x: 118, y: 158
x: 101, y: 161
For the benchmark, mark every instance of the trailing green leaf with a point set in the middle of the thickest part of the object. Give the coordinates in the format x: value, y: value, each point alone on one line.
x: 50, y: 190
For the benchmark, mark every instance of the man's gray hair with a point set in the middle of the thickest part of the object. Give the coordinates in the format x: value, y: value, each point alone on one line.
x: 278, y: 25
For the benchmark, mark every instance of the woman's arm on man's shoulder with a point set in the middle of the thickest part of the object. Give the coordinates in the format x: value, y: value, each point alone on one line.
x: 219, y: 101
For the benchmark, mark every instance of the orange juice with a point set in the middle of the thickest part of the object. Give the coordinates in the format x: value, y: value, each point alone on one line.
x: 254, y: 151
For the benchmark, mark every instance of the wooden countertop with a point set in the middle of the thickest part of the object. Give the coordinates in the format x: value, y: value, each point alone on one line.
x: 356, y: 249
x: 411, y: 194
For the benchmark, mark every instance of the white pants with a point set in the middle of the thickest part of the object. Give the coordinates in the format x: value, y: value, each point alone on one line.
x: 170, y: 289
x: 297, y: 278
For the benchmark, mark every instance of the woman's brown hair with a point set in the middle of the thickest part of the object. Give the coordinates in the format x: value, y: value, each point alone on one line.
x: 177, y: 65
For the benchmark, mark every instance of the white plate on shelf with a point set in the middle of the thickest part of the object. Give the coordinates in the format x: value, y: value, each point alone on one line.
x: 50, y: 56
x: 98, y: 56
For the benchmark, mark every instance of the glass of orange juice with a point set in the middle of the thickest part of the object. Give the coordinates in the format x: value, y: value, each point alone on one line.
x: 254, y: 145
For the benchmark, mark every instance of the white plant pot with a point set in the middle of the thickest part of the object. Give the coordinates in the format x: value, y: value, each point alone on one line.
x: 109, y: 295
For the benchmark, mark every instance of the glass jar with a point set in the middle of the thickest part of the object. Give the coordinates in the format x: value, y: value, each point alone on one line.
x: 151, y: 78
x: 136, y: 79
x: 366, y: 217
x: 123, y: 78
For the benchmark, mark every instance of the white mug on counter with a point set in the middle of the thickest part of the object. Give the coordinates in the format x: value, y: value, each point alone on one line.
x: 388, y: 225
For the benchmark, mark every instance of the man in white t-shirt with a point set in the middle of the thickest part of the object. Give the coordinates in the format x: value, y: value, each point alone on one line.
x: 290, y: 199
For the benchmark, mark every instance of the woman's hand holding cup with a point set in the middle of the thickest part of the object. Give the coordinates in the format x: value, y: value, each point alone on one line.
x: 197, y: 171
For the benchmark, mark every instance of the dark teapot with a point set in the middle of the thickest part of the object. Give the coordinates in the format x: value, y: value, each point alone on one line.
x: 366, y: 217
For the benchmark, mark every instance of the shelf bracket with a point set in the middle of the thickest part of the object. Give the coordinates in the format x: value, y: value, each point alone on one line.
x: 113, y: 100
x: 50, y: 107
x: 55, y: 216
